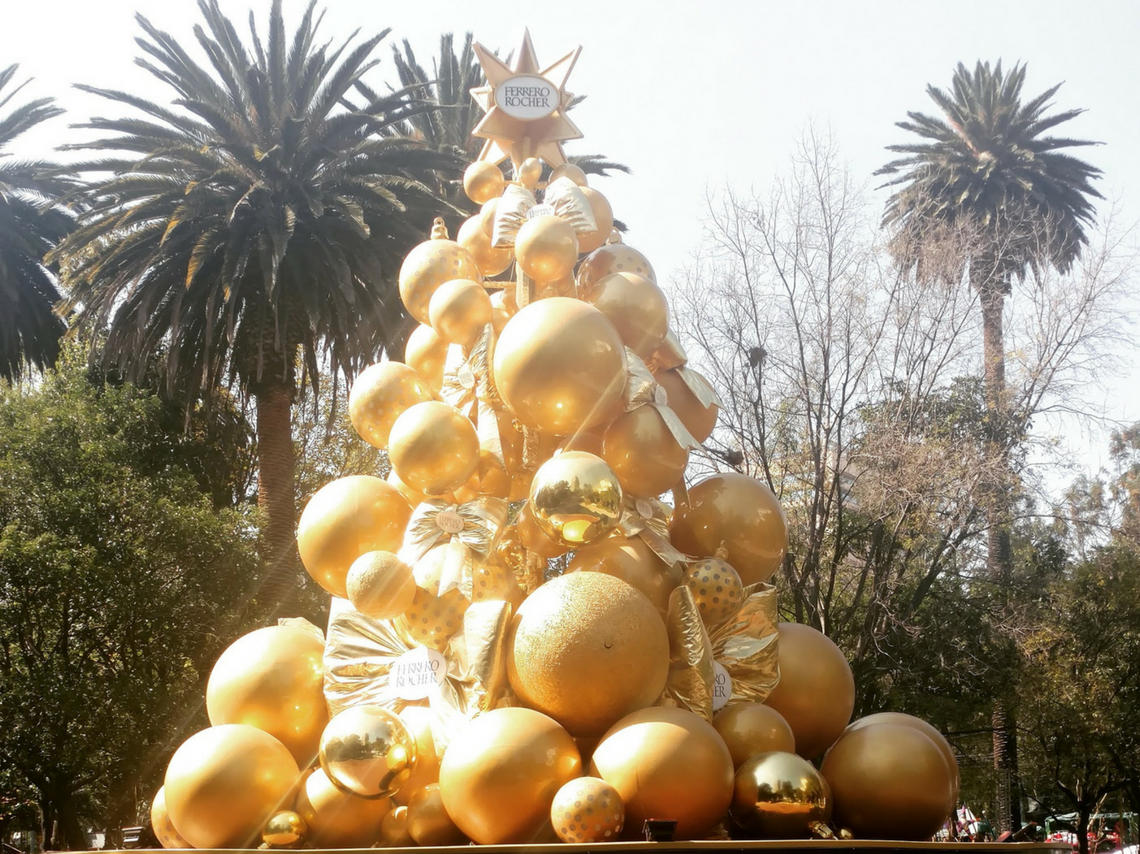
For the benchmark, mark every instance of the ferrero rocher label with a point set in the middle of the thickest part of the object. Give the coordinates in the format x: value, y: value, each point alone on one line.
x: 722, y: 686
x: 527, y: 97
x: 417, y: 674
x: 540, y: 210
x: 449, y: 521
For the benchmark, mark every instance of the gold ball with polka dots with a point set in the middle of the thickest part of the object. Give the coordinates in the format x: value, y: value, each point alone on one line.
x: 495, y: 581
x: 609, y: 259
x: 380, y: 395
x: 587, y: 809
x: 427, y: 267
x: 717, y: 589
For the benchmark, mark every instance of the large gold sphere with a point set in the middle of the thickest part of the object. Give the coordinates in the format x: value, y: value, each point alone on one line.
x: 428, y: 822
x: 636, y: 307
x: 273, y: 679
x: 433, y: 448
x: 926, y: 729
x: 816, y: 692
x: 418, y: 720
x: 587, y: 649
x: 716, y: 588
x: 631, y: 560
x: 740, y: 514
x: 474, y: 239
x: 575, y: 498
x: 394, y: 831
x: 890, y: 781
x: 667, y: 763
x: 343, y: 520
x: 779, y: 795
x: 224, y: 783
x: 546, y: 248
x: 427, y: 267
x: 368, y: 752
x: 426, y: 353
x: 609, y: 259
x: 587, y: 809
x: 752, y: 728
x: 603, y: 216
x: 460, y: 310
x: 337, y: 819
x: 560, y: 366
x: 380, y: 585
x: 499, y: 778
x: 161, y: 824
x: 379, y: 395
x: 483, y: 181
x: 285, y: 829
x: 643, y: 453
x: 487, y: 216
x: 697, y: 419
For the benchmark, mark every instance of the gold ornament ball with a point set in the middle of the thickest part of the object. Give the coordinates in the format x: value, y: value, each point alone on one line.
x: 346, y: 518
x: 413, y: 496
x: 564, y: 287
x: 487, y: 216
x: 494, y: 581
x: 779, y: 795
x: 432, y: 618
x: 427, y: 267
x: 418, y: 720
x: 285, y: 829
x: 460, y: 310
x: 546, y: 248
x: 380, y: 585
x: 161, y: 824
x: 667, y: 763
x: 643, y: 453
x: 568, y: 170
x: 489, y: 478
x: 636, y: 307
x: 697, y: 419
x: 529, y: 172
x: 586, y: 648
x: 816, y: 692
x: 337, y: 819
x: 575, y: 498
x: 394, y: 831
x: 534, y: 539
x: 716, y: 588
x: 224, y: 783
x: 926, y: 729
x: 603, y: 216
x: 433, y: 448
x: 752, y: 728
x: 426, y: 354
x: 483, y: 181
x: 273, y: 679
x: 634, y: 562
x: 609, y: 259
x: 587, y: 810
x: 474, y: 239
x: 890, y: 781
x: 740, y: 514
x: 428, y: 822
x: 499, y: 777
x: 379, y: 395
x: 368, y: 752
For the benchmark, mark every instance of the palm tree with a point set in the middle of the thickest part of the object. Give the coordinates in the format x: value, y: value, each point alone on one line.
x: 30, y: 225
x: 989, y: 186
x: 253, y: 230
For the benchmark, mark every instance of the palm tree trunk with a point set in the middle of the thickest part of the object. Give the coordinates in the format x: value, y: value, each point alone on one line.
x: 276, y: 493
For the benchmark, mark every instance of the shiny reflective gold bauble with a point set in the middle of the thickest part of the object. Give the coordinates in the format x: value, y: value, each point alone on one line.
x: 161, y: 824
x: 474, y: 239
x: 379, y: 395
x: 890, y: 781
x: 667, y: 763
x: 816, y: 692
x: 483, y: 181
x: 636, y: 307
x: 433, y: 447
x: 418, y: 720
x: 380, y: 585
x: 337, y: 819
x: 285, y: 829
x: 739, y: 514
x: 394, y: 831
x: 587, y: 649
x: 546, y: 248
x: 752, y: 728
x: 575, y: 498
x: 587, y: 809
x: 568, y: 170
x: 643, y: 453
x: 224, y: 783
x: 427, y: 267
x: 779, y: 795
x: 716, y: 589
x: 529, y: 172
x: 460, y: 310
x: 428, y: 822
x: 926, y: 729
x: 534, y: 539
x: 609, y: 259
x: 603, y: 216
x: 631, y: 560
x: 697, y: 419
x: 368, y: 752
x: 499, y: 778
x: 346, y: 518
x: 273, y: 679
x: 426, y: 353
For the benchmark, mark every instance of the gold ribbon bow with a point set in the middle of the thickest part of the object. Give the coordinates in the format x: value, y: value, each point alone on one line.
x: 469, y: 530
x: 563, y: 198
x: 641, y: 389
x: 648, y: 518
x: 467, y: 385
x: 671, y: 356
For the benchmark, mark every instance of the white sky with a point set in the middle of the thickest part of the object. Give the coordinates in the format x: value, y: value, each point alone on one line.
x: 695, y: 94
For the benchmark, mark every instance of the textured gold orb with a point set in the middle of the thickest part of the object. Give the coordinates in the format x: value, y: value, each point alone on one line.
x: 161, y: 824
x: 587, y: 809
x: 380, y: 585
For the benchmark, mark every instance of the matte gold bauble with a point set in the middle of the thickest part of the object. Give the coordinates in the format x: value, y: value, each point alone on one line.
x: 643, y: 452
x: 609, y: 259
x: 426, y: 353
x: 487, y: 216
x: 546, y: 248
x: 697, y: 419
x: 499, y: 778
x: 418, y: 720
x: 586, y: 810
x: 346, y: 518
x: 161, y: 824
x: 433, y: 448
x: 575, y: 498
x: 534, y: 539
x: 890, y: 781
x: 636, y: 307
x: 926, y: 729
x: 394, y: 831
x: 716, y: 589
x: 224, y: 783
x: 483, y: 181
x: 368, y: 752
x: 378, y: 397
x: 427, y: 267
x: 489, y: 478
x: 529, y: 172
x: 631, y: 560
x: 474, y: 239
x: 603, y: 216
x: 779, y: 795
x: 413, y: 496
x: 667, y: 763
x: 428, y: 822
x: 460, y: 310
x: 816, y: 692
x: 586, y: 648
x: 273, y: 679
x: 380, y: 585
x: 568, y: 170
x: 337, y: 819
x: 739, y: 514
x: 752, y: 728
x: 285, y: 829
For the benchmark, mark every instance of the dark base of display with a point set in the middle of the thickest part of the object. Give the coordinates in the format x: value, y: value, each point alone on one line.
x: 832, y: 846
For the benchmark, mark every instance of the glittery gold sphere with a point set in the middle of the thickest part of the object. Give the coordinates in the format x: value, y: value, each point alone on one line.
x: 575, y: 498
x: 394, y: 831
x: 379, y: 395
x: 587, y: 809
x: 433, y: 447
x: 368, y: 752
x: 634, y: 562
x: 161, y: 824
x: 474, y: 239
x: 285, y: 829
x: 643, y: 452
x: 380, y: 585
x: 427, y: 267
x: 609, y: 259
x: 498, y: 781
x: 752, y: 728
x: 779, y: 795
x: 418, y: 720
x: 428, y: 822
x: 716, y: 589
x: 337, y: 819
x: 697, y: 419
x: 273, y: 679
x: 636, y: 307
x: 426, y: 353
x: 603, y: 216
x: 926, y: 729
x: 483, y: 181
x: 460, y: 310
x: 568, y: 170
x: 546, y: 248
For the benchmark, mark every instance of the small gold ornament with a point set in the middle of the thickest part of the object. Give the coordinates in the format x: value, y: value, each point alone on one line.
x: 426, y: 354
x: 587, y: 810
x: 427, y: 267
x: 368, y: 752
x: 161, y: 824
x: 529, y: 172
x: 459, y: 311
x: 716, y: 588
x: 418, y: 720
x: 546, y: 248
x: 483, y: 181
x: 428, y: 822
x: 285, y: 829
x: 475, y: 240
x: 433, y: 447
x: 609, y: 259
x: 603, y: 216
x: 779, y: 796
x: 394, y: 831
x: 752, y: 728
x: 337, y: 819
x: 380, y: 585
x: 378, y: 397
x: 576, y: 498
x: 571, y: 171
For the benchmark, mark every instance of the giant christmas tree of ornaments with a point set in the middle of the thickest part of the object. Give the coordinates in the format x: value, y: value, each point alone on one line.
x: 468, y: 690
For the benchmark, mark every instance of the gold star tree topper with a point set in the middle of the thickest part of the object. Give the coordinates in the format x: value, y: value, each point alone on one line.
x: 525, y: 106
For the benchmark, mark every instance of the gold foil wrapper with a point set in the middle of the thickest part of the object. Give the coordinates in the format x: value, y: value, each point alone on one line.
x: 469, y: 530
x: 700, y: 387
x: 563, y: 198
x: 669, y: 355
x: 648, y: 518
x: 469, y: 386
x: 746, y: 645
x: 302, y: 624
x: 690, y: 682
